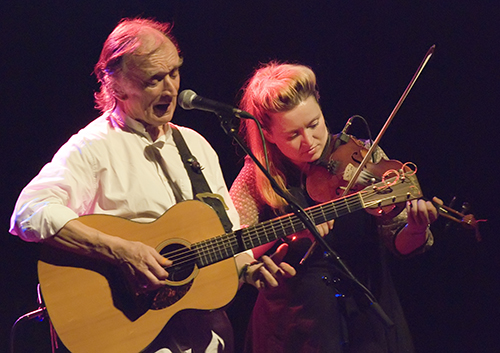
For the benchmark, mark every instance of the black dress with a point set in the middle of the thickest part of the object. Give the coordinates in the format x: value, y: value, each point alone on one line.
x: 319, y: 310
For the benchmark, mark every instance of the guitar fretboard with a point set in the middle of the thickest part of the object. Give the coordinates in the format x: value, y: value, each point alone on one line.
x: 227, y: 245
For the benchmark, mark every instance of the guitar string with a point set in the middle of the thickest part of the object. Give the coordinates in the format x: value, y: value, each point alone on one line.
x: 209, y: 248
x: 265, y: 227
x: 212, y: 251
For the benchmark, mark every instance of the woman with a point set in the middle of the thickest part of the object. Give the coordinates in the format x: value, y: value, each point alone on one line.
x: 318, y: 310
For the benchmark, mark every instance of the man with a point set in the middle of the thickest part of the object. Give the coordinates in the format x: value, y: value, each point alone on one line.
x: 126, y: 163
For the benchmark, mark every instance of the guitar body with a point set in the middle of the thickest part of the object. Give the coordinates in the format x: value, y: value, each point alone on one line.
x: 93, y: 309
x: 90, y: 304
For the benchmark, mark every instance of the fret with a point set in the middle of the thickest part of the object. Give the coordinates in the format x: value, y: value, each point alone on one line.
x: 247, y: 236
x: 219, y: 246
x: 334, y: 210
x: 290, y: 220
x: 271, y: 230
x: 225, y: 246
x: 256, y: 231
x: 232, y: 244
x: 346, y: 204
x: 258, y: 240
x: 211, y: 252
x: 207, y: 252
x: 324, y: 216
x: 275, y: 233
x: 202, y: 261
x: 283, y: 228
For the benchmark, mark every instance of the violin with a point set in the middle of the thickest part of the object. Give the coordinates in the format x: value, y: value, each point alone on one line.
x: 354, y: 151
x: 327, y: 179
x: 468, y: 221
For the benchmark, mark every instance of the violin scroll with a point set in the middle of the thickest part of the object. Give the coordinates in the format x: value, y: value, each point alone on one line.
x: 468, y: 221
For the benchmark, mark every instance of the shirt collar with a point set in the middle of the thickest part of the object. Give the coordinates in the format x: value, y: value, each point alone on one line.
x: 126, y: 122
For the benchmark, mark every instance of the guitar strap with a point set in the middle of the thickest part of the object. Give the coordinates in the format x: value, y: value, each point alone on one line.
x: 201, y: 189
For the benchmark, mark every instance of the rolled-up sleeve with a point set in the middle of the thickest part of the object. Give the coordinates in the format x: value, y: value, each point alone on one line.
x: 58, y: 194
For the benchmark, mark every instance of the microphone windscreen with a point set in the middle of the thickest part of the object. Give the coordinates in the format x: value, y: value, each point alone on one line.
x: 185, y: 99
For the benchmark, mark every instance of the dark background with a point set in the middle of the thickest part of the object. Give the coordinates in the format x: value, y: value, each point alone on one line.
x: 364, y: 53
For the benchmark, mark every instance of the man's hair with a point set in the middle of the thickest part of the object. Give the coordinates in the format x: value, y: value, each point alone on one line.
x: 122, y: 42
x: 274, y: 87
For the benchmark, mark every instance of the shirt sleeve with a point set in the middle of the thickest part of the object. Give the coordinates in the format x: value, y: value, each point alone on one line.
x: 244, y: 196
x: 58, y: 194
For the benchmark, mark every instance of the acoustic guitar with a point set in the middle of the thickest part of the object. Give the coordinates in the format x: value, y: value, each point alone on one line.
x: 93, y: 308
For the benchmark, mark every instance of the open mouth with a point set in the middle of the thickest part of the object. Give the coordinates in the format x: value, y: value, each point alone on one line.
x: 161, y: 109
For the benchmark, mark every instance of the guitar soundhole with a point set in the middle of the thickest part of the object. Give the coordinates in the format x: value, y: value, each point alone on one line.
x: 184, y: 263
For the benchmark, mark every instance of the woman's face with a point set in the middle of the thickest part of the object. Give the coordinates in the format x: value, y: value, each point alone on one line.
x: 300, y: 133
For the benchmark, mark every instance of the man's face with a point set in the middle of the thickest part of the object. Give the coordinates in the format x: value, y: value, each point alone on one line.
x: 150, y: 81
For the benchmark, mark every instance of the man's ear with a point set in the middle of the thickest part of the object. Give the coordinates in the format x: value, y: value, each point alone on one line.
x: 117, y: 86
x: 121, y: 96
x: 119, y: 93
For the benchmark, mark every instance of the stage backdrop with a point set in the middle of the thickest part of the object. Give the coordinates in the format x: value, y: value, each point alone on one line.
x: 364, y: 53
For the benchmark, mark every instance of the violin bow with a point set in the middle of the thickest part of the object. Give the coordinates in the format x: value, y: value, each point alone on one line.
x: 389, y: 120
x: 379, y: 136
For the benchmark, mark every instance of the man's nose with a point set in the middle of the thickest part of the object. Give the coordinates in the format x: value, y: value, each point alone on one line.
x: 169, y: 84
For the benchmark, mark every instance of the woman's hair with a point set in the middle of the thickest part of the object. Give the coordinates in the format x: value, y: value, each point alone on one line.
x: 122, y: 42
x: 274, y: 87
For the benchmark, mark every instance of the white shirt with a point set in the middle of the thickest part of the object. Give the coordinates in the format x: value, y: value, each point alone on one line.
x: 103, y: 169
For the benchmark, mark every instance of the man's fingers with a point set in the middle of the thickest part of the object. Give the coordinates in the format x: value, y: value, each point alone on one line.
x: 268, y: 278
x: 280, y: 253
x: 289, y: 271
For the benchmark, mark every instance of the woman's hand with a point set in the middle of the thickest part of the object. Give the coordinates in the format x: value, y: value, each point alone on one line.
x: 421, y: 214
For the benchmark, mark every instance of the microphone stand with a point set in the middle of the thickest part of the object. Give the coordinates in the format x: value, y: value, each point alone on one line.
x: 227, y: 124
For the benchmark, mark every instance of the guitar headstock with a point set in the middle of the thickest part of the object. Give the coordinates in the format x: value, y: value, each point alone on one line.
x: 400, y: 187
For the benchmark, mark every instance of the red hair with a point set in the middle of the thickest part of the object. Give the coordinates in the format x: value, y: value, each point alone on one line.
x: 274, y: 87
x: 123, y: 41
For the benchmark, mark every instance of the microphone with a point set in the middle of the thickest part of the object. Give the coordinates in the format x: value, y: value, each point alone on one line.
x: 347, y: 125
x: 188, y: 100
x: 343, y: 137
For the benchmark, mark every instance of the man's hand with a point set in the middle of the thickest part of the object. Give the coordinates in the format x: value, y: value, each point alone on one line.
x: 142, y: 264
x: 271, y: 271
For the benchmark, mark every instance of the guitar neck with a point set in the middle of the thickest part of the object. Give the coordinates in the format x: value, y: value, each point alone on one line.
x: 222, y: 247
